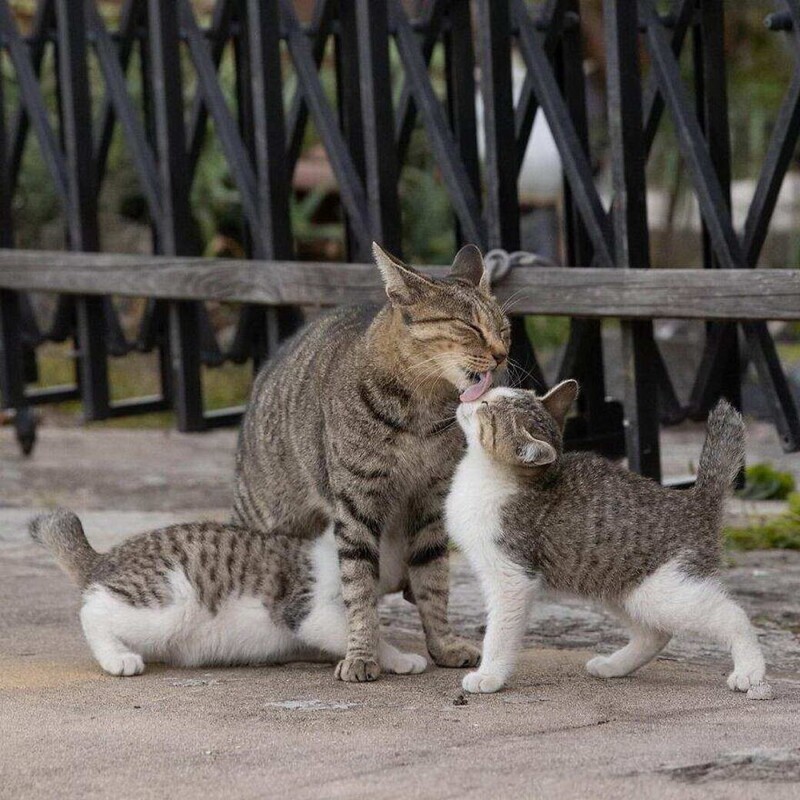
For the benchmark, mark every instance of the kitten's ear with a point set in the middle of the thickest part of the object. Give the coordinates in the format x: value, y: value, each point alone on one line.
x: 559, y: 400
x: 404, y: 285
x: 535, y: 452
x: 469, y: 267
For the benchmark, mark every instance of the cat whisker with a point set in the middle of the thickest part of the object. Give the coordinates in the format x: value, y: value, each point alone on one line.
x: 515, y: 297
x: 515, y: 368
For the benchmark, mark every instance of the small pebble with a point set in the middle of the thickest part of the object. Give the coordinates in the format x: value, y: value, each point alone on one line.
x: 460, y: 700
x: 761, y: 691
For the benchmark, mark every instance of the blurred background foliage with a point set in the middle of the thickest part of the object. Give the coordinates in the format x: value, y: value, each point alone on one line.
x: 759, y: 64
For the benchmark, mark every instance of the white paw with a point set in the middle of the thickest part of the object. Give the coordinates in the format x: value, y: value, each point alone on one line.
x: 761, y: 691
x: 603, y: 667
x: 744, y: 677
x: 481, y: 682
x: 125, y: 665
x: 405, y: 664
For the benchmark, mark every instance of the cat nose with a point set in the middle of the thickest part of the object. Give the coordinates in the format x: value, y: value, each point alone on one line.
x: 499, y: 357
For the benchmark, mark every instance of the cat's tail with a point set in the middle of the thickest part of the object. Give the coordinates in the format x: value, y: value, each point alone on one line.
x: 723, y: 451
x: 62, y: 534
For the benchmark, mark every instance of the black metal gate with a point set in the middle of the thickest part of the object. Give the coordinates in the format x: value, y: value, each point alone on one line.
x: 366, y: 133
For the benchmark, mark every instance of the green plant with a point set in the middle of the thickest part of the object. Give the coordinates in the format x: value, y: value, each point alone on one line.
x: 781, y: 532
x: 764, y: 482
x: 547, y: 333
x: 302, y: 212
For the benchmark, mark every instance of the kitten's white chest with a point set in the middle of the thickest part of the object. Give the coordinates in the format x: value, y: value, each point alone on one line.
x: 478, y: 493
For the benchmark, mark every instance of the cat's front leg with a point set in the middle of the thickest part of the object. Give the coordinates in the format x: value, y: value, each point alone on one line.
x: 429, y: 584
x: 508, y: 596
x: 360, y: 518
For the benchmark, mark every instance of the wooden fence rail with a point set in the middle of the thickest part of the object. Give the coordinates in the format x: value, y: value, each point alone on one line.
x: 727, y: 294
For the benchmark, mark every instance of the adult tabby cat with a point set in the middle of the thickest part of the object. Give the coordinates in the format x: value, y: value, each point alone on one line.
x: 524, y: 512
x: 353, y: 424
x: 204, y: 594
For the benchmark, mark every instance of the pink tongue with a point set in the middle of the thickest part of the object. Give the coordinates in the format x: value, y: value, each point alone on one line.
x: 477, y: 389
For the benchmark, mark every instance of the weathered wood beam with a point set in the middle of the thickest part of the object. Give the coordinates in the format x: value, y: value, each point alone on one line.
x: 772, y: 294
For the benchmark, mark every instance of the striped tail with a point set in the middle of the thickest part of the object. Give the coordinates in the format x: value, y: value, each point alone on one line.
x: 723, y: 451
x: 62, y: 534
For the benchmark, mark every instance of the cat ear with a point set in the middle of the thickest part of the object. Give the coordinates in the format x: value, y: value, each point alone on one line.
x: 559, y: 400
x: 469, y: 267
x: 404, y: 285
x: 535, y: 452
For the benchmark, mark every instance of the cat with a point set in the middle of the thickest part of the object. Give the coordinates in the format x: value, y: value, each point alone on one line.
x: 206, y: 594
x: 352, y: 424
x: 523, y: 512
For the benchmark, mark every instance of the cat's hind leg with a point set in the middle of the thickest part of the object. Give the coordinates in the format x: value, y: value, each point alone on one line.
x: 674, y: 601
x: 325, y: 629
x: 396, y: 662
x: 644, y: 645
x: 97, y: 619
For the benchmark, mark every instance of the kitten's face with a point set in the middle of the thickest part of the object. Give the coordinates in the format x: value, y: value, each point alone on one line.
x: 516, y: 427
x: 454, y: 329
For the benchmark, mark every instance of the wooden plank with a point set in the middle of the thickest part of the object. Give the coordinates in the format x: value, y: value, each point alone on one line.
x: 579, y: 292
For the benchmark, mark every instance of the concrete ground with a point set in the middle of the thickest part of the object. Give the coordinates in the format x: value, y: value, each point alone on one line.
x: 67, y: 730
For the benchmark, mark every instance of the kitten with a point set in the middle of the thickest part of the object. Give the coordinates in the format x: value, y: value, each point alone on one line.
x: 205, y: 594
x: 523, y: 511
x: 352, y: 425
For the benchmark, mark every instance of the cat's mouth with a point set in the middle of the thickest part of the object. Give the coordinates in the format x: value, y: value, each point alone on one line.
x: 481, y: 382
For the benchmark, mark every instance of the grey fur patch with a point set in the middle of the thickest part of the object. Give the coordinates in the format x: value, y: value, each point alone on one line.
x: 591, y: 527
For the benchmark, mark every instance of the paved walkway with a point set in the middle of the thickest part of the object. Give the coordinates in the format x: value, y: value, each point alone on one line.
x: 67, y: 730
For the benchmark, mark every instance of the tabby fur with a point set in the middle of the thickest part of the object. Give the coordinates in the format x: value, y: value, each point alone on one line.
x: 352, y: 424
x: 205, y: 593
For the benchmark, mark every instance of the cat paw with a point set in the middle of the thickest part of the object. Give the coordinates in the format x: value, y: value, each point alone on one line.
x: 357, y: 670
x: 603, y: 667
x: 124, y: 665
x: 481, y: 682
x: 458, y: 654
x: 761, y: 691
x: 742, y: 679
x: 405, y: 664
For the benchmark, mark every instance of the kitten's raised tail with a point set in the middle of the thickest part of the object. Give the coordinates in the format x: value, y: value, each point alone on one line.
x: 723, y: 451
x: 62, y: 534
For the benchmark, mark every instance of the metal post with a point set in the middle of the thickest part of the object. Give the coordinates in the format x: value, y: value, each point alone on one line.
x: 460, y: 56
x: 267, y: 141
x: 584, y: 356
x: 349, y: 103
x: 167, y: 99
x: 630, y: 228
x: 377, y: 114
x: 719, y: 373
x: 12, y: 375
x: 82, y: 223
x: 251, y: 329
x: 502, y: 200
